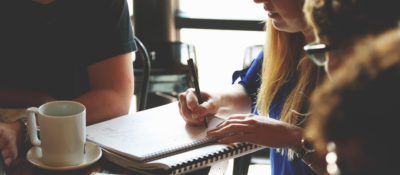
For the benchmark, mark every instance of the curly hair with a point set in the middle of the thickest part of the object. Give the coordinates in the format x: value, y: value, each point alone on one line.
x: 362, y: 101
x: 341, y: 23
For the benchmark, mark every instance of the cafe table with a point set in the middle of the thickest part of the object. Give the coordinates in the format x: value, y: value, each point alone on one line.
x: 21, y: 166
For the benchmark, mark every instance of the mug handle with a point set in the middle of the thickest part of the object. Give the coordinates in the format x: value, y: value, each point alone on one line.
x: 32, y: 128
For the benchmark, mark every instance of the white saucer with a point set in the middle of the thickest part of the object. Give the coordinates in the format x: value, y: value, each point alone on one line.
x: 93, y: 153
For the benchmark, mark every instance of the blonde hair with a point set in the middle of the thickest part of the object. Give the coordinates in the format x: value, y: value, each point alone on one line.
x: 283, y: 60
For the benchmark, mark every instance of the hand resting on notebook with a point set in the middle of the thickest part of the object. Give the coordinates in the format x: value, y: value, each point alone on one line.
x: 247, y: 128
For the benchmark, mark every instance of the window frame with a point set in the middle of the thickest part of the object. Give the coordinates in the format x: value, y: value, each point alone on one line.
x: 184, y: 20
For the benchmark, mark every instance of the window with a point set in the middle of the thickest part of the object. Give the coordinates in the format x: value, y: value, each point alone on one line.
x: 220, y: 46
x: 223, y: 9
x: 220, y: 53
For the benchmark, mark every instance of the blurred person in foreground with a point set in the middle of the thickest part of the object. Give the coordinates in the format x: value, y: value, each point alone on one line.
x: 355, y: 113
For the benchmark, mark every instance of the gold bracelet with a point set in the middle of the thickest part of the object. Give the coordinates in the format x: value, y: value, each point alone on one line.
x: 306, y: 147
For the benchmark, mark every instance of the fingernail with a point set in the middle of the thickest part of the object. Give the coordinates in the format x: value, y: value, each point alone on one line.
x: 194, y: 116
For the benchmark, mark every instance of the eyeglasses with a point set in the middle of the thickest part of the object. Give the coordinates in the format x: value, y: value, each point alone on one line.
x: 316, y: 52
x: 331, y: 159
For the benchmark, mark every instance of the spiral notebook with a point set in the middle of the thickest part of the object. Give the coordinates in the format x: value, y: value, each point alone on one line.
x: 158, y: 141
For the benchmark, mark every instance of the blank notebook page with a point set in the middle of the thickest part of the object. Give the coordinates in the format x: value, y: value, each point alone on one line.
x: 140, y: 135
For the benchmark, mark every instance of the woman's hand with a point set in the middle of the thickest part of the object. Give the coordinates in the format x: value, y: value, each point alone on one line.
x: 192, y: 112
x: 11, y: 138
x: 257, y: 130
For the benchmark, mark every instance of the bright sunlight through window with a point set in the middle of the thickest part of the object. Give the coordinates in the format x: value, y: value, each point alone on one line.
x: 221, y: 52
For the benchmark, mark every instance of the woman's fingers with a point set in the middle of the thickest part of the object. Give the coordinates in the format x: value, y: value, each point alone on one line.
x: 206, y: 108
x: 241, y: 116
x: 186, y: 112
x: 192, y: 101
x: 192, y: 111
x: 222, y: 124
x: 237, y: 119
x: 240, y: 137
x: 234, y: 138
x: 230, y: 129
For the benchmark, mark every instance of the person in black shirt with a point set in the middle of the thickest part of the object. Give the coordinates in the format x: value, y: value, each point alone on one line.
x: 64, y: 50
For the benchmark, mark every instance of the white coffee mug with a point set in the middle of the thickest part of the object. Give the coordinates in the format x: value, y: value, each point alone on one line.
x: 62, y: 132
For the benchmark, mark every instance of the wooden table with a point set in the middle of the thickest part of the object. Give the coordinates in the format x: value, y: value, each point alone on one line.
x: 22, y: 167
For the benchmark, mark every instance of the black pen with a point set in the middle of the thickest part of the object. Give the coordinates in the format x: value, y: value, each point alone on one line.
x: 192, y: 69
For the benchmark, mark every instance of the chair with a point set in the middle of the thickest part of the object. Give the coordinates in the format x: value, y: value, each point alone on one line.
x: 143, y: 92
x: 169, y: 72
x: 251, y: 53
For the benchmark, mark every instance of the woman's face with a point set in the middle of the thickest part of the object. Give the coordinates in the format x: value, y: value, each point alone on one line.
x: 286, y: 15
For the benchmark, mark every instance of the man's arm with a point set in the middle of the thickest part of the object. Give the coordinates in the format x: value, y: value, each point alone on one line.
x: 14, y: 98
x: 111, y: 82
x: 112, y: 85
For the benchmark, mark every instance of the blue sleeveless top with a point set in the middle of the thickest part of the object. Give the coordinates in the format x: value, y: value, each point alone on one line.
x: 251, y: 81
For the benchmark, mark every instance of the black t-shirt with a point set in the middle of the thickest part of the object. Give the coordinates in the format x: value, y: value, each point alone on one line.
x: 48, y: 48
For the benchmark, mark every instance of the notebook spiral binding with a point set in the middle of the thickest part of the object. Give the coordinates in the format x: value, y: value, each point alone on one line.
x: 206, y: 160
x: 178, y: 149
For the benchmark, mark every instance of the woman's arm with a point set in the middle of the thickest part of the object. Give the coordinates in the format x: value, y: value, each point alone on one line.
x: 268, y: 132
x: 316, y: 162
x: 14, y: 98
